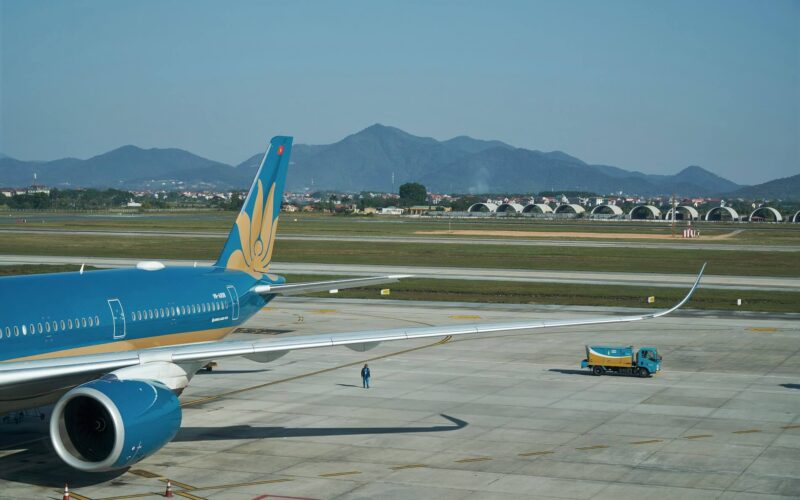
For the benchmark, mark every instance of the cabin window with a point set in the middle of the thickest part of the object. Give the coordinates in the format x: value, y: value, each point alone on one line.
x: 83, y: 322
x: 40, y: 328
x: 69, y: 324
x: 161, y: 311
x: 63, y: 325
x: 91, y: 321
x: 77, y: 323
x: 16, y: 331
x: 24, y: 330
x: 97, y: 321
x: 150, y: 314
x: 47, y: 327
x: 8, y: 332
x: 32, y: 329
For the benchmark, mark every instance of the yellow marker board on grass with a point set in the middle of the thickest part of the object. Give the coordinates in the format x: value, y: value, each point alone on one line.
x: 385, y: 291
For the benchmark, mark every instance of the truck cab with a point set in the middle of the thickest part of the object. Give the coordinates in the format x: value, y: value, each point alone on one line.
x: 648, y: 359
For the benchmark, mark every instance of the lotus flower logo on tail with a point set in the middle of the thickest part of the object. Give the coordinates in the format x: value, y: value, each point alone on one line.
x: 252, y: 240
x: 256, y: 236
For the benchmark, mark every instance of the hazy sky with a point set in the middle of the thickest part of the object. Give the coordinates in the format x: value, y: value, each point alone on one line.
x: 647, y: 85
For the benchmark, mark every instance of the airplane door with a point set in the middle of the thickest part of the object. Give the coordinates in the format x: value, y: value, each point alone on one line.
x: 117, y: 318
x: 234, y: 298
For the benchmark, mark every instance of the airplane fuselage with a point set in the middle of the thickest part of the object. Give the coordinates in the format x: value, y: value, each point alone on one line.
x: 71, y: 314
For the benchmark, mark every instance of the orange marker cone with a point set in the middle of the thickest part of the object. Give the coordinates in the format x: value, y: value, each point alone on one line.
x: 66, y: 493
x: 168, y: 493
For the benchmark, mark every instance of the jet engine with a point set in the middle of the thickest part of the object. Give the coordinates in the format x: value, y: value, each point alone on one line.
x: 109, y: 423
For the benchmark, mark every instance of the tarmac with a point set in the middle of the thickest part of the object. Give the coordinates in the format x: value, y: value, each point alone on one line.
x: 496, y: 417
x: 763, y: 283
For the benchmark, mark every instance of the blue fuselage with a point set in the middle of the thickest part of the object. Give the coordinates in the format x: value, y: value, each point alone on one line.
x: 63, y: 314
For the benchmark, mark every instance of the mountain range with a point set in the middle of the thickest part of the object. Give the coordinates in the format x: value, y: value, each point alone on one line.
x: 378, y: 158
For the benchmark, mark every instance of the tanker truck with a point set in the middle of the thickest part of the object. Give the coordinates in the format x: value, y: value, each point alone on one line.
x: 622, y: 360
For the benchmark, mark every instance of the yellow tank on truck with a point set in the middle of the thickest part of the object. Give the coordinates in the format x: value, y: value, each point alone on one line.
x: 621, y: 357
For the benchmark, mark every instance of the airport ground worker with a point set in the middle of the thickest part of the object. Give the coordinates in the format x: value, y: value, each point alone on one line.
x: 365, y: 376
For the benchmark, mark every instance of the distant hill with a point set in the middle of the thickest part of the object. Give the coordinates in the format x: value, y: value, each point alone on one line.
x: 371, y: 158
x: 127, y: 167
x: 787, y: 188
x: 378, y: 158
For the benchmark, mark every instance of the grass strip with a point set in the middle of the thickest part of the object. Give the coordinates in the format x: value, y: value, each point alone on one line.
x: 499, y: 292
x: 615, y: 259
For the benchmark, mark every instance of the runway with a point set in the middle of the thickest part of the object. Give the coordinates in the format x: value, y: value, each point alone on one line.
x: 516, y: 275
x: 495, y: 417
x: 678, y: 245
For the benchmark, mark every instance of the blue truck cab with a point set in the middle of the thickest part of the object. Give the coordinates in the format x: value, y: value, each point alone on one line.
x: 622, y: 360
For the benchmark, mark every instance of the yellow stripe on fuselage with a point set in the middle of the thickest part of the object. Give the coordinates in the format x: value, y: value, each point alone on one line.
x: 135, y: 344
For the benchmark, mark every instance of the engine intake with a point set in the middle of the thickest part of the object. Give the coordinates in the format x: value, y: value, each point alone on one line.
x: 109, y: 424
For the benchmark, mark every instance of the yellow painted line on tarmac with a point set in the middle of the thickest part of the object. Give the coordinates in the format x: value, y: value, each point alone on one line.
x: 409, y: 466
x: 762, y: 329
x: 793, y: 426
x: 238, y: 485
x: 186, y: 494
x: 267, y: 308
x: 144, y: 473
x: 324, y: 311
x: 337, y: 474
x: 76, y: 496
x: 648, y: 441
x: 475, y: 459
x: 748, y: 431
x: 465, y: 316
x: 535, y: 453
x: 595, y: 447
x: 699, y: 436
x: 178, y: 484
x: 124, y: 497
x: 324, y: 370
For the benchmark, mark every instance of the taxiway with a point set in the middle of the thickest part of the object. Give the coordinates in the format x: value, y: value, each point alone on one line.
x: 494, y: 417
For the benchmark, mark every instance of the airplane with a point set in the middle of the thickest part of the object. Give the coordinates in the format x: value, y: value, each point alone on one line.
x: 114, y: 349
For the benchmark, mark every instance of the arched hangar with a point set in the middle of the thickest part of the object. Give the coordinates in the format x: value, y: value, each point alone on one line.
x: 796, y: 217
x: 537, y: 208
x: 644, y: 212
x: 570, y: 208
x: 612, y: 210
x: 683, y: 212
x: 482, y: 207
x: 511, y: 208
x: 722, y: 214
x: 765, y: 214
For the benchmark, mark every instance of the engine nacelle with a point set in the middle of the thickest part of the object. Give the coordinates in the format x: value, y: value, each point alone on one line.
x: 109, y: 424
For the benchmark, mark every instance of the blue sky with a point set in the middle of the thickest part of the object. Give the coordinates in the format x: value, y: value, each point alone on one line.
x: 646, y: 85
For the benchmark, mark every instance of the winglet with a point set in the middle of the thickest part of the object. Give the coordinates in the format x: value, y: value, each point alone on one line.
x: 688, y: 295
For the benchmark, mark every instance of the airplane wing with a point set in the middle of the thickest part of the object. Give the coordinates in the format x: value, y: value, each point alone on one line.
x: 23, y: 373
x: 325, y: 286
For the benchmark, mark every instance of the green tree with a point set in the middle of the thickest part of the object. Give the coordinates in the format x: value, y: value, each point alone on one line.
x: 413, y: 193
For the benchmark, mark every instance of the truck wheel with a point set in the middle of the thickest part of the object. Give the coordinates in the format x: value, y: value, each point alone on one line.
x: 644, y: 372
x: 596, y: 370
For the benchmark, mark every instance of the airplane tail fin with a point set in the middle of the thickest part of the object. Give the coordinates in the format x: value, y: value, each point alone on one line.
x: 252, y: 239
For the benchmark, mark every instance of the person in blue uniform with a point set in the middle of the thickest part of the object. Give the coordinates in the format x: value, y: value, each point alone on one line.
x: 365, y: 376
